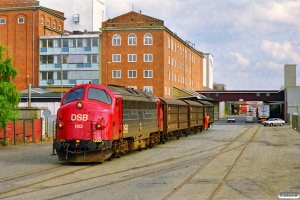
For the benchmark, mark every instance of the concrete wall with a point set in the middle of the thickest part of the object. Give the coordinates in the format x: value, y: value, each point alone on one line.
x: 289, y: 75
x: 221, y: 109
x: 292, y: 102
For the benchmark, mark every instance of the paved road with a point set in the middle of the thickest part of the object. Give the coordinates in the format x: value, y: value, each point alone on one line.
x: 228, y: 161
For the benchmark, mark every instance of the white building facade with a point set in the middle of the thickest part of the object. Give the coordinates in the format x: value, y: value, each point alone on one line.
x: 208, y: 70
x: 81, y: 15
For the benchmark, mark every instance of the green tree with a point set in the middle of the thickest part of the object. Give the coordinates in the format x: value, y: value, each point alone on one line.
x: 9, y: 96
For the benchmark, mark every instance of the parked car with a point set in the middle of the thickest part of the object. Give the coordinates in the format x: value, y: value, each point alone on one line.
x: 273, y: 122
x: 250, y: 119
x: 231, y: 119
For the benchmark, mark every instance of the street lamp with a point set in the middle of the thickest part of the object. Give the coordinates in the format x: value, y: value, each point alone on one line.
x: 107, y: 72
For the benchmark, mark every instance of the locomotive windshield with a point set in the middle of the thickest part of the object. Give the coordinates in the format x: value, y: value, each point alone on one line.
x: 74, y: 95
x: 99, y: 95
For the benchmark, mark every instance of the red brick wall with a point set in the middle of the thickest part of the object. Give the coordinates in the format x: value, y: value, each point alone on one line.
x: 22, y: 131
x: 22, y: 41
x: 133, y: 23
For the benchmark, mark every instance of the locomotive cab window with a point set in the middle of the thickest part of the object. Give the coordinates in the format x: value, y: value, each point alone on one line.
x: 74, y: 95
x: 99, y: 95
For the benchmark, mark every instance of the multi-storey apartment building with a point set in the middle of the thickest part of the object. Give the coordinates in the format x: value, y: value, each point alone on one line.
x: 81, y: 14
x: 69, y: 59
x: 21, y: 24
x: 140, y: 52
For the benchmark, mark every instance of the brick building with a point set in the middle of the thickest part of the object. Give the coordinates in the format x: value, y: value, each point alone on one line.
x: 21, y: 24
x: 139, y: 51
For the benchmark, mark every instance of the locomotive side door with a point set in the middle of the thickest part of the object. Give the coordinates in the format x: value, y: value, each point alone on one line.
x: 118, y: 119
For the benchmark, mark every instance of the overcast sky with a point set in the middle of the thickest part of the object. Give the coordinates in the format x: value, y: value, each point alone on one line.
x: 251, y: 40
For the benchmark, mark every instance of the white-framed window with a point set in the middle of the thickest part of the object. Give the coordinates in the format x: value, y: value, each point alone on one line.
x: 21, y: 20
x: 116, y: 40
x: 2, y: 21
x: 132, y: 74
x: 116, y: 74
x: 132, y: 39
x: 116, y: 57
x: 148, y: 89
x: 148, y: 40
x: 132, y: 58
x: 42, y: 20
x: 148, y: 57
x: 54, y: 26
x: 148, y: 73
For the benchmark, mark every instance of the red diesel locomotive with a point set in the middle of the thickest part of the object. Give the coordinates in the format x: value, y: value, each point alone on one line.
x: 97, y: 122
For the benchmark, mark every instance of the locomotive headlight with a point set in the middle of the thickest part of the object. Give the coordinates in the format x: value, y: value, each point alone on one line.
x: 98, y: 126
x: 60, y: 125
x: 79, y: 105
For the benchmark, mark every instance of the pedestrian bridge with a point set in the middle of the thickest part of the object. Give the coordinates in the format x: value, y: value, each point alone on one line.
x: 245, y: 95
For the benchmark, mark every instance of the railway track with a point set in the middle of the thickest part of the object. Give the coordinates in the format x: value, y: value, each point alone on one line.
x: 204, y: 157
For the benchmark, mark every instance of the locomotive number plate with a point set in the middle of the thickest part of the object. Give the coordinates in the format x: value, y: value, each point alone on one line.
x: 78, y: 126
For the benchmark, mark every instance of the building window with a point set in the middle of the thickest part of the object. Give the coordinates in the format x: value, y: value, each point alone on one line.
x: 42, y: 20
x: 79, y: 43
x: 258, y: 94
x: 87, y: 42
x: 21, y: 20
x: 132, y: 39
x: 148, y: 74
x: 2, y: 21
x: 116, y: 40
x: 116, y: 73
x: 148, y: 39
x: 91, y: 58
x: 76, y: 18
x: 64, y: 75
x: 57, y: 43
x: 95, y: 42
x: 131, y: 57
x: 148, y: 89
x: 44, y: 59
x: 148, y: 57
x: 47, y: 75
x: 132, y: 74
x: 65, y: 43
x: 54, y: 26
x: 267, y: 94
x: 59, y: 27
x: 116, y: 57
x: 48, y: 23
x: 73, y: 42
